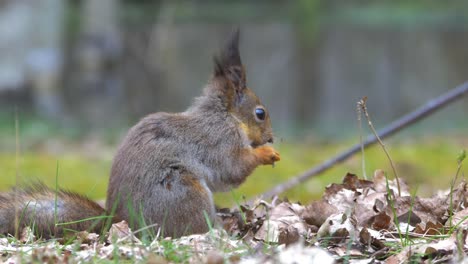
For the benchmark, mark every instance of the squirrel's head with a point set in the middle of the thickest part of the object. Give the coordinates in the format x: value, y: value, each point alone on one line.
x: 229, y: 84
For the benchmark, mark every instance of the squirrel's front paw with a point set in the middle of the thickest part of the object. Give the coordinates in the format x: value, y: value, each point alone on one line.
x: 267, y: 154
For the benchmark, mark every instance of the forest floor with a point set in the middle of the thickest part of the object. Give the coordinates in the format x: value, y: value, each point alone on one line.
x: 356, y: 221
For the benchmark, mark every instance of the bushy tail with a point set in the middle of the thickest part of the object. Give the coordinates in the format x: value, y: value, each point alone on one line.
x: 48, y: 212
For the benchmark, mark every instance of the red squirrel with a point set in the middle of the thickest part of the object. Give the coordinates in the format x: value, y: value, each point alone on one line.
x: 168, y: 166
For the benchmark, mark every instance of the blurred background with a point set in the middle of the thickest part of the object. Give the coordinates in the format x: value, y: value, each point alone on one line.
x: 76, y: 74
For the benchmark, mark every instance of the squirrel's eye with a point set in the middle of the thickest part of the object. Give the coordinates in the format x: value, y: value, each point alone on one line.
x: 260, y: 113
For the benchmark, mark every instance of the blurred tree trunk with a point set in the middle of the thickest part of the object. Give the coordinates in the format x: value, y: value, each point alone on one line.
x: 92, y: 78
x: 14, y: 42
x: 45, y: 59
x: 30, y: 48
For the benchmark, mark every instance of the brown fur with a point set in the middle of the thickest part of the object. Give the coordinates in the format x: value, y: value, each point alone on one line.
x: 169, y: 164
x: 35, y: 206
x: 217, y: 141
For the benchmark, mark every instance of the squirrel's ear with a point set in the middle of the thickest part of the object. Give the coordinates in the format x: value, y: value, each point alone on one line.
x: 228, y: 63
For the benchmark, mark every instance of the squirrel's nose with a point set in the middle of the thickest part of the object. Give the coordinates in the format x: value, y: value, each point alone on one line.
x: 270, y: 140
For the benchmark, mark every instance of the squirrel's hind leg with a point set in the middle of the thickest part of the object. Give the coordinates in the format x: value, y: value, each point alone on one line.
x: 182, y: 205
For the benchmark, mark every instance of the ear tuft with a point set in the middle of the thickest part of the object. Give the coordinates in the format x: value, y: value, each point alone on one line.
x: 229, y: 57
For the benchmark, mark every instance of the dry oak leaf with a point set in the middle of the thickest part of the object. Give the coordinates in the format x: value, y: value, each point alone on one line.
x: 381, y: 221
x: 335, y: 226
x: 288, y: 235
x: 410, y: 218
x: 317, y: 212
x: 460, y: 219
x: 27, y: 235
x: 282, y: 219
x: 366, y: 238
x: 368, y: 205
x: 350, y: 182
x: 121, y: 232
x: 246, y: 222
x: 87, y: 238
x: 343, y: 200
x: 429, y: 228
x: 380, y: 184
x: 234, y: 222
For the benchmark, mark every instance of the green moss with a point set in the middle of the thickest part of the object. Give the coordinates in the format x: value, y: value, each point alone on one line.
x: 427, y: 165
x: 76, y: 173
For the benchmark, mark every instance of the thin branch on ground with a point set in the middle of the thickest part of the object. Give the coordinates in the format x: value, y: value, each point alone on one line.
x: 427, y: 109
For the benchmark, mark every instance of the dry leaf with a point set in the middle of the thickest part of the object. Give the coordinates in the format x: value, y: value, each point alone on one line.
x: 352, y: 182
x: 214, y: 257
x: 335, y: 226
x: 27, y: 235
x: 366, y: 238
x: 460, y: 219
x: 381, y: 221
x: 409, y: 218
x: 429, y: 228
x: 121, y: 232
x: 317, y: 212
x: 87, y: 238
x: 283, y: 218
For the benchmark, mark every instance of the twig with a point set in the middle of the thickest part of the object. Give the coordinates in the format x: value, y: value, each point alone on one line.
x: 363, y: 159
x: 460, y: 159
x: 362, y: 104
x: 17, y: 157
x: 406, y: 120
